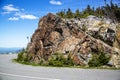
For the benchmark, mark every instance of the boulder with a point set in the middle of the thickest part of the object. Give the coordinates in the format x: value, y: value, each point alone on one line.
x: 57, y: 35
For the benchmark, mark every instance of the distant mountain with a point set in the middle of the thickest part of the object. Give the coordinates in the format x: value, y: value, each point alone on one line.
x: 9, y: 50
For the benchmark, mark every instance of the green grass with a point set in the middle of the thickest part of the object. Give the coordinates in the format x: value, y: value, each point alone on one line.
x: 82, y: 67
x: 25, y: 63
x: 58, y: 60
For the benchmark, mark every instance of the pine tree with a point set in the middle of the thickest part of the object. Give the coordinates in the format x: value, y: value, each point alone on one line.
x: 77, y: 14
x: 61, y: 14
x: 69, y: 13
x: 111, y: 11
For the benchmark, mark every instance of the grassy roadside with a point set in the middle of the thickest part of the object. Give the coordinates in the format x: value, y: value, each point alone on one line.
x: 82, y: 67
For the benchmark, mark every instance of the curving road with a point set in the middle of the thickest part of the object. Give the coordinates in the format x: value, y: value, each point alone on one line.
x: 15, y: 71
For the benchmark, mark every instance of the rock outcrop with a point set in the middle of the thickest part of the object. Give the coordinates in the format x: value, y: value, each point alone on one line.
x: 70, y: 36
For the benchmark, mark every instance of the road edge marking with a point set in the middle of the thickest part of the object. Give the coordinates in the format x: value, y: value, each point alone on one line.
x: 27, y: 76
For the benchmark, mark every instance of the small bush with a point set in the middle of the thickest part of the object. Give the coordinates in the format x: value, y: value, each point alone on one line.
x: 69, y: 61
x: 99, y: 60
x: 103, y: 59
x: 94, y: 62
x: 58, y: 60
x: 21, y: 56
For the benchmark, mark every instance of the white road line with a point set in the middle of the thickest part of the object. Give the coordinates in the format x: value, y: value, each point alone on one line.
x: 27, y: 76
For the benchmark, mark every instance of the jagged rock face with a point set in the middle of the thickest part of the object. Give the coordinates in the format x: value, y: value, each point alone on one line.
x: 103, y: 29
x: 117, y: 41
x: 55, y: 34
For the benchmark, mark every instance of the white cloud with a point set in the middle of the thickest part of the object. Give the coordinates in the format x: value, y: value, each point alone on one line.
x: 55, y: 2
x: 10, y: 8
x: 18, y: 13
x: 26, y: 16
x: 13, y: 18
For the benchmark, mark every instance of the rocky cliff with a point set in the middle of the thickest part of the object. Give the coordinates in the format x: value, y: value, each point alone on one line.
x: 79, y: 38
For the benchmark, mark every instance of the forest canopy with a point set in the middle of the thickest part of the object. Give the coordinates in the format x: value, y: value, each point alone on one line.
x: 111, y: 11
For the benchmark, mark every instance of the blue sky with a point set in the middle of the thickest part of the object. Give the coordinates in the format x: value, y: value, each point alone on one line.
x: 19, y: 18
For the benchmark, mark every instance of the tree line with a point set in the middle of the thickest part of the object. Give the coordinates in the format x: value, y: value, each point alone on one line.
x: 111, y: 11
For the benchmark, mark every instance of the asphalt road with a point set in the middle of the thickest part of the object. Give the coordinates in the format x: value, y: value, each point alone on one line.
x: 15, y: 71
